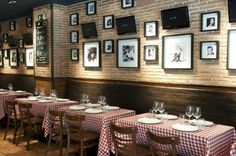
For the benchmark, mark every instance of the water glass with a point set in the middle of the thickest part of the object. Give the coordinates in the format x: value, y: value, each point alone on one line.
x: 189, y: 111
x: 182, y: 118
x: 36, y: 93
x: 155, y: 107
x: 42, y: 93
x: 197, y: 113
x: 161, y: 107
x: 53, y: 93
x: 10, y: 87
x: 83, y: 98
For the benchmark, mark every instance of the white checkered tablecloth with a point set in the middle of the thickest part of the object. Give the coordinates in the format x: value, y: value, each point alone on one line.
x: 8, y: 96
x: 233, y: 150
x: 41, y: 110
x: 101, y: 123
x: 212, y: 141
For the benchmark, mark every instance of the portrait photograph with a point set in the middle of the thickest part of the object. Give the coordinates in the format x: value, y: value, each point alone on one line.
x: 74, y: 38
x: 12, y: 25
x: 21, y: 43
x: 108, y: 46
x: 74, y: 19
x: 1, y: 58
x: 91, y: 8
x: 108, y: 22
x: 13, y: 58
x: 209, y: 50
x: 92, y: 54
x: 22, y: 57
x: 151, y: 29
x: 29, y: 22
x: 150, y: 53
x: 29, y: 57
x: 5, y: 37
x: 231, y: 63
x: 177, y: 51
x: 74, y: 53
x: 127, y: 3
x: 210, y: 21
x: 6, y: 53
x: 128, y: 51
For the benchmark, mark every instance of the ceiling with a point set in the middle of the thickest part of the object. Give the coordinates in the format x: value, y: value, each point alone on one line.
x: 25, y: 7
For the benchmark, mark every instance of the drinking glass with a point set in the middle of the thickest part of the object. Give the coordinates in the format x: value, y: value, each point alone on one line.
x: 42, y: 93
x: 87, y: 98
x: 53, y: 93
x: 161, y: 107
x: 10, y: 86
x: 189, y: 111
x: 104, y: 101
x: 36, y: 93
x: 155, y: 107
x: 197, y: 113
x: 83, y: 99
x: 182, y: 118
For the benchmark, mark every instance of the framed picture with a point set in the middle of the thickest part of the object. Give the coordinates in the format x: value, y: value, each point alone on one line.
x: 21, y: 43
x: 12, y: 25
x: 92, y: 54
x: 74, y: 36
x: 108, y: 46
x: 29, y: 57
x: 231, y: 63
x: 150, y: 53
x: 210, y: 21
x: 209, y: 50
x: 127, y: 3
x: 22, y: 57
x: 41, y: 17
x: 29, y: 22
x: 1, y: 58
x: 13, y: 60
x: 177, y: 51
x: 91, y: 8
x: 6, y: 53
x: 74, y: 54
x: 74, y: 19
x: 108, y: 22
x: 151, y: 29
x: 128, y: 53
x: 5, y: 37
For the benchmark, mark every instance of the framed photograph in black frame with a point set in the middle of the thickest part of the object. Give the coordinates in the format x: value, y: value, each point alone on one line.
x: 29, y: 22
x: 13, y: 59
x: 91, y: 8
x: 151, y: 29
x: 74, y: 54
x: 6, y: 53
x: 74, y: 19
x: 21, y: 43
x: 150, y: 52
x: 209, y: 50
x: 108, y: 46
x: 22, y: 58
x: 127, y: 4
x: 74, y: 37
x: 128, y: 53
x: 210, y: 21
x: 5, y: 37
x: 12, y: 25
x: 177, y: 51
x: 108, y: 22
x: 92, y: 54
x: 1, y: 58
x: 29, y: 57
x: 231, y: 50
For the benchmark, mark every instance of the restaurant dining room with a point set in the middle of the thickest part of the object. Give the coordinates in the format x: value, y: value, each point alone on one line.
x: 117, y: 77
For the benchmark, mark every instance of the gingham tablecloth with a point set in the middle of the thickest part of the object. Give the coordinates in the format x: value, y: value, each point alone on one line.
x: 233, y: 150
x: 212, y: 141
x: 101, y: 123
x: 41, y: 110
x: 9, y: 96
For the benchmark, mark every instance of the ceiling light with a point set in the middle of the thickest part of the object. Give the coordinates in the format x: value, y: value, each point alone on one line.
x: 11, y: 1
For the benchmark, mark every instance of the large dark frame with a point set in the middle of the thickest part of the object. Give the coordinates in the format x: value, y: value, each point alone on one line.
x: 218, y: 21
x: 104, y: 49
x: 77, y: 19
x: 123, y: 7
x: 217, y: 50
x: 228, y: 45
x: 77, y: 39
x: 145, y: 28
x: 77, y: 51
x: 99, y: 53
x: 95, y: 8
x: 112, y: 16
x: 192, y: 50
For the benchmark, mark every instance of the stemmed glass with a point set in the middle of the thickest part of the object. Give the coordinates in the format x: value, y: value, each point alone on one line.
x: 42, y: 93
x: 83, y: 99
x: 189, y: 111
x: 197, y: 113
x: 36, y: 93
x: 87, y: 99
x: 161, y: 107
x: 53, y: 93
x: 10, y: 87
x: 155, y: 107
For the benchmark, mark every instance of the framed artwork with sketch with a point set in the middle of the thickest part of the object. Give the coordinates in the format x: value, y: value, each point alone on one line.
x: 127, y: 4
x: 150, y: 52
x: 13, y: 60
x: 108, y: 22
x: 74, y: 54
x: 151, y: 29
x: 209, y: 50
x: 1, y: 58
x: 231, y: 52
x: 177, y: 51
x: 210, y: 21
x: 108, y: 46
x: 29, y: 57
x: 92, y: 54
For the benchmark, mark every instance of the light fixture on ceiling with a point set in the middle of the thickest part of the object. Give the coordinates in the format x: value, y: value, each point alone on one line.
x: 11, y: 1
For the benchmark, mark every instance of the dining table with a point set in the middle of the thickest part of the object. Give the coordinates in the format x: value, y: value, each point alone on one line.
x: 99, y: 121
x: 209, y: 140
x: 233, y: 150
x: 9, y: 95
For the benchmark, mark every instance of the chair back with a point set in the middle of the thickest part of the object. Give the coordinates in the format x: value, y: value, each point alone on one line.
x: 11, y: 109
x: 162, y: 145
x: 124, y: 139
x: 24, y: 110
x: 55, y: 120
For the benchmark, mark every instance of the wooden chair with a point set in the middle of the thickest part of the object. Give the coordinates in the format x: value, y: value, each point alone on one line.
x: 11, y: 118
x: 124, y: 139
x: 162, y: 145
x: 56, y: 128
x: 27, y: 122
x: 76, y: 133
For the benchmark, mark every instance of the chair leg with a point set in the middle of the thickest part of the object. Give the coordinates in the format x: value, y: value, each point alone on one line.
x: 21, y: 129
x: 15, y: 130
x: 68, y: 144
x: 49, y: 142
x: 8, y: 120
x: 29, y: 129
x: 61, y: 144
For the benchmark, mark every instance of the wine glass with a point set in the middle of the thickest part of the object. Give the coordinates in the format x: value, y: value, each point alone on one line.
x: 53, y: 93
x: 10, y: 87
x: 42, y: 93
x: 155, y: 107
x: 83, y: 99
x: 189, y: 111
x: 197, y: 113
x: 181, y: 118
x: 36, y: 93
x: 161, y: 107
x: 87, y: 99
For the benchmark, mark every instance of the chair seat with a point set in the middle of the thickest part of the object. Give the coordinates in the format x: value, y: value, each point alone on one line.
x: 88, y: 136
x: 34, y: 121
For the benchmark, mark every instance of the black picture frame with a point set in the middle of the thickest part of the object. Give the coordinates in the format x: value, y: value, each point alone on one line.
x: 183, y: 44
x: 29, y: 22
x: 153, y: 32
x: 150, y: 55
x: 91, y: 8
x: 13, y: 58
x: 125, y: 4
x: 210, y: 21
x: 12, y: 25
x: 21, y: 43
x: 29, y: 57
x: 125, y: 57
x: 209, y: 50
x: 108, y: 22
x: 108, y: 46
x: 5, y: 37
x: 74, y: 19
x: 231, y: 50
x: 74, y: 37
x: 1, y: 58
x: 74, y: 54
x: 89, y: 48
x: 22, y: 58
x: 6, y: 53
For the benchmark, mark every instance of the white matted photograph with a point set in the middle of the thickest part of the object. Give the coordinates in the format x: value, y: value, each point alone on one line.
x: 91, y: 8
x: 127, y: 4
x: 12, y: 25
x: 13, y: 60
x: 231, y: 63
x: 29, y: 22
x: 178, y: 51
x: 128, y: 53
x: 210, y: 21
x: 209, y: 50
x: 150, y: 53
x: 108, y: 46
x: 74, y: 19
x: 29, y: 57
x: 92, y: 54
x: 108, y: 22
x: 74, y: 36
x: 74, y: 54
x: 151, y: 29
x: 1, y: 58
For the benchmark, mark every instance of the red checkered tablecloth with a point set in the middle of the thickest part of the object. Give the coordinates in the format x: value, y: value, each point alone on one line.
x: 101, y: 123
x: 212, y: 141
x: 233, y: 150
